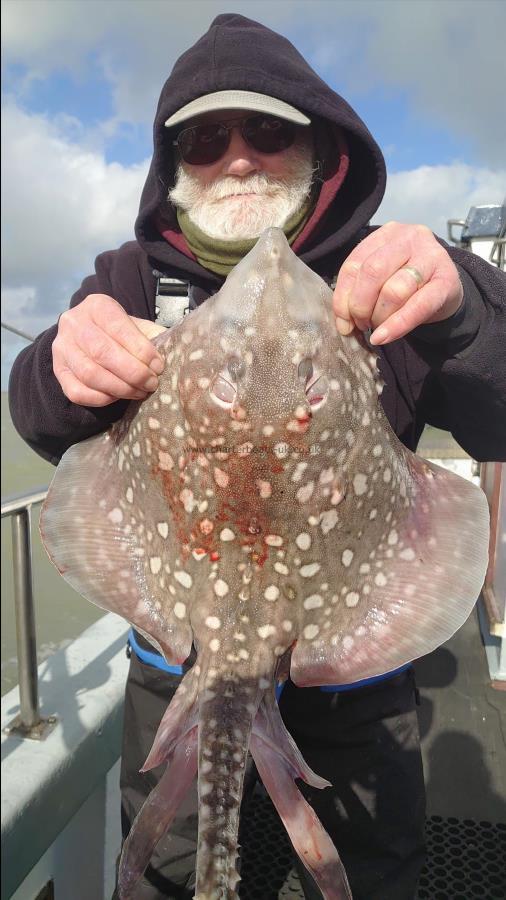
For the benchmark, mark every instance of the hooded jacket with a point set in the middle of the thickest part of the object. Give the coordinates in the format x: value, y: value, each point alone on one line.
x: 449, y: 374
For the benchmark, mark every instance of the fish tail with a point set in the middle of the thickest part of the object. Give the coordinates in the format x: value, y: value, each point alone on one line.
x: 227, y: 710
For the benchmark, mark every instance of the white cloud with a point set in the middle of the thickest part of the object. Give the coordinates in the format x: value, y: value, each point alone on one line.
x: 448, y: 58
x: 444, y: 56
x: 61, y: 206
x: 430, y: 195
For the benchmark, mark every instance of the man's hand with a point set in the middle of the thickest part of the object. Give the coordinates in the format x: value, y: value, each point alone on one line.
x: 395, y: 279
x: 101, y: 354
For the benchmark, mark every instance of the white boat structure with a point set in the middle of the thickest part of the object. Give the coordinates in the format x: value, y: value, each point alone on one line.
x: 61, y: 727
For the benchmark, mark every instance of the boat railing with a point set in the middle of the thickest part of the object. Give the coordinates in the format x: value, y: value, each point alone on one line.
x: 29, y: 722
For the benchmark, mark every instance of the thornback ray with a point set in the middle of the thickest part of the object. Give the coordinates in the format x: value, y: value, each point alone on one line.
x: 259, y: 507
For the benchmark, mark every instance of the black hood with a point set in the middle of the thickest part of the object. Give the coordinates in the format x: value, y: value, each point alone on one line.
x: 239, y: 54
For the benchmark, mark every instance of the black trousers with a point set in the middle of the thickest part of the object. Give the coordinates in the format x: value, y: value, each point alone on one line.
x: 365, y: 742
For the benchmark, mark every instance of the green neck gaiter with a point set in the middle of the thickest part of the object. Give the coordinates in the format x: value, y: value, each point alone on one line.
x: 221, y: 256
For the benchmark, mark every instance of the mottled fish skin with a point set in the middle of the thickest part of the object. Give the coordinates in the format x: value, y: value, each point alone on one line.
x: 260, y: 506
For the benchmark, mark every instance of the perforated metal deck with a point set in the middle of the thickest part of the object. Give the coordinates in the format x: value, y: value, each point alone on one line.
x: 466, y: 859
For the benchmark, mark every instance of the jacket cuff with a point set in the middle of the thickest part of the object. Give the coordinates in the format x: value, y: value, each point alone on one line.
x: 452, y: 336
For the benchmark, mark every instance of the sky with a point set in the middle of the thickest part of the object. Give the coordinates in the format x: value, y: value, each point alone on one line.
x: 81, y: 80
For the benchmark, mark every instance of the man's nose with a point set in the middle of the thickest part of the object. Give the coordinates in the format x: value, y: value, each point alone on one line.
x: 240, y: 158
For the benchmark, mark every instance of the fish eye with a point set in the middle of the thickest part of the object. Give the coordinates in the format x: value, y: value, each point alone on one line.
x: 222, y: 391
x: 317, y: 390
x: 305, y: 370
x: 235, y: 367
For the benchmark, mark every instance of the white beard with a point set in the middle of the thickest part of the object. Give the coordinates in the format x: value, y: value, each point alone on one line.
x: 221, y: 210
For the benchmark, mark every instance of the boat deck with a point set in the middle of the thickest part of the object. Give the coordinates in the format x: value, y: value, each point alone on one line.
x: 463, y: 732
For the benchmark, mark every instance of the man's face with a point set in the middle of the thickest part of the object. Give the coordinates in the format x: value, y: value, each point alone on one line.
x: 245, y: 190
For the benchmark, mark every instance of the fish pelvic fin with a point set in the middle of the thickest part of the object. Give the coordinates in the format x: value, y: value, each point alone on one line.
x: 279, y: 763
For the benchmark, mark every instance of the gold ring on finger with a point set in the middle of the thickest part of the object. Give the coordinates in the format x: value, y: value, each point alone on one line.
x: 415, y: 273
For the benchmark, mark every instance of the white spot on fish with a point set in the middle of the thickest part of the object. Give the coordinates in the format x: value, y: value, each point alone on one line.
x: 299, y: 471
x: 220, y: 588
x: 305, y: 492
x: 163, y: 529
x: 264, y: 488
x: 360, y: 484
x: 271, y: 592
x: 274, y: 540
x: 155, y: 564
x: 115, y: 515
x: 329, y: 520
x: 408, y: 553
x: 347, y: 557
x: 188, y: 500
x: 266, y: 631
x: 227, y: 534
x: 184, y: 579
x: 214, y: 645
x: 303, y: 541
x: 310, y: 570
x: 310, y: 632
x: 213, y: 622
x: 221, y: 478
x: 351, y: 598
x: 179, y: 610
x: 313, y: 601
x: 281, y: 450
x: 165, y: 461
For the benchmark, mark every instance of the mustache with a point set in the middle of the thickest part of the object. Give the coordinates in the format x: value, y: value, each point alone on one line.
x: 230, y: 186
x: 298, y: 176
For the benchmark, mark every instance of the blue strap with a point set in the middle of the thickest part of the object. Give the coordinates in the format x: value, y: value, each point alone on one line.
x: 338, y: 688
x: 152, y: 658
x: 158, y: 662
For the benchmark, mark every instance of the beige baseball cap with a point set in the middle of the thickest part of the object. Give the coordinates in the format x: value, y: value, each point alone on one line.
x: 238, y: 100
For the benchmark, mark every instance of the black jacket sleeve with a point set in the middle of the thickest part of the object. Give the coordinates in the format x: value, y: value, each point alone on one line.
x: 40, y: 411
x: 466, y: 354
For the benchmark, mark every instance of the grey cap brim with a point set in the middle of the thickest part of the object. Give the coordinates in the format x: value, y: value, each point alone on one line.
x: 238, y: 100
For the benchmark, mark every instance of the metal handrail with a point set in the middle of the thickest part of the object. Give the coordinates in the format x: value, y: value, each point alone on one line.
x: 19, y: 508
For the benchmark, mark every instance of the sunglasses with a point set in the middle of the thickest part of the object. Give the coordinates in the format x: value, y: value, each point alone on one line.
x: 204, y: 144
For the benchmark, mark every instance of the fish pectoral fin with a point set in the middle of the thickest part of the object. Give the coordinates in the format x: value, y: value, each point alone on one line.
x: 308, y: 836
x: 110, y: 550
x: 404, y: 594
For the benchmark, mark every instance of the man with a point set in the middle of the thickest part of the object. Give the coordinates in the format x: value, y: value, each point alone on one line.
x: 247, y: 136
